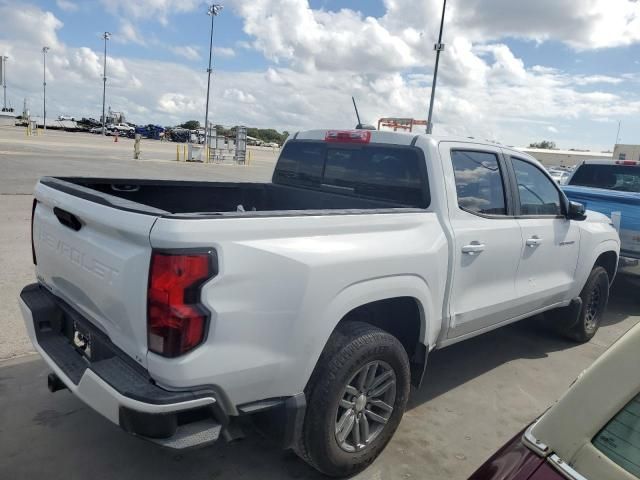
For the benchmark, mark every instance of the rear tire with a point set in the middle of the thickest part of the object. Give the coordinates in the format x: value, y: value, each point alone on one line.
x: 594, y: 296
x: 355, y: 399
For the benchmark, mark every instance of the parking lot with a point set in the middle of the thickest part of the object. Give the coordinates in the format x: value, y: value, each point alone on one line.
x: 477, y: 394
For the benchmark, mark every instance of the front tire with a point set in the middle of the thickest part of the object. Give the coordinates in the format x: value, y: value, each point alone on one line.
x: 594, y: 296
x: 355, y: 399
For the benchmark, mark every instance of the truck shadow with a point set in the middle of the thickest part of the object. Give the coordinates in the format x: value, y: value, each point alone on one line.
x: 531, y: 338
x: 57, y: 436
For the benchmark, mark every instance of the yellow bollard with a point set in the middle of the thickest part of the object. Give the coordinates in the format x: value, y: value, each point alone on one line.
x: 184, y: 153
x: 177, y: 153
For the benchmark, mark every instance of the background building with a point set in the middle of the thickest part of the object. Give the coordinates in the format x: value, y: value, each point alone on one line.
x: 565, y: 158
x: 626, y: 152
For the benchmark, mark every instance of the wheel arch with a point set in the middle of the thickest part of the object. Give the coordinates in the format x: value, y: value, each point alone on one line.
x: 594, y: 256
x: 609, y: 261
x: 407, y: 295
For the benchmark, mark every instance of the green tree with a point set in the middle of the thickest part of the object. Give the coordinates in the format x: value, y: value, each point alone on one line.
x: 191, y: 125
x: 545, y: 144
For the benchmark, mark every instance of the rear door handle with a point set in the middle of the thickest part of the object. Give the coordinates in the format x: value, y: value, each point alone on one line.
x: 534, y: 241
x: 474, y: 248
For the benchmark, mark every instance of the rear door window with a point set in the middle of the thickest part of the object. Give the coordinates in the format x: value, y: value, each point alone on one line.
x: 619, y: 440
x: 479, y: 182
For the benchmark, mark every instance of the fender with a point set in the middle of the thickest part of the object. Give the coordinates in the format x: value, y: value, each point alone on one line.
x: 371, y: 290
x: 586, y: 264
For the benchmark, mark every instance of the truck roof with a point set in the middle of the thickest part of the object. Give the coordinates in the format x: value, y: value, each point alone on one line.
x: 609, y: 161
x: 397, y: 138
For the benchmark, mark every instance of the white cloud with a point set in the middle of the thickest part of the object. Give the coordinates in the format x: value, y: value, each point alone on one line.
x: 246, y: 45
x: 128, y: 34
x: 190, y: 52
x: 323, y: 40
x: 66, y: 5
x: 224, y: 52
x: 159, y: 10
x: 238, y: 95
x: 29, y: 24
x: 593, y: 79
x: 552, y: 129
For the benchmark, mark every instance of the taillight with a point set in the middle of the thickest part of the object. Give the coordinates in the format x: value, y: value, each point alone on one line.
x: 176, y: 319
x: 626, y: 162
x: 348, y: 136
x: 33, y: 215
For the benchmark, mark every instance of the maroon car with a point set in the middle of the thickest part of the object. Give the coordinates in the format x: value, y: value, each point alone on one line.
x: 591, y: 433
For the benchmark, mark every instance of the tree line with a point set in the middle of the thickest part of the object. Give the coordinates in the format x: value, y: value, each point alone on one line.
x: 264, y: 134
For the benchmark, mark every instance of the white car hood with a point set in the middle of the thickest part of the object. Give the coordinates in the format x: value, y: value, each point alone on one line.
x: 597, y: 217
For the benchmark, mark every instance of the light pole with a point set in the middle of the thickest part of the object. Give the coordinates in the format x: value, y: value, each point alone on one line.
x: 3, y: 79
x: 44, y: 86
x: 438, y: 47
x: 106, y: 37
x: 213, y: 11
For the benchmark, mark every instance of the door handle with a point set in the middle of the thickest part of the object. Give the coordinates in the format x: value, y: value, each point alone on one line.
x: 473, y: 248
x: 533, y: 241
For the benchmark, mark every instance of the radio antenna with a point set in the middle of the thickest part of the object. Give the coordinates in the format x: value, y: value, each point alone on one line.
x: 357, y: 114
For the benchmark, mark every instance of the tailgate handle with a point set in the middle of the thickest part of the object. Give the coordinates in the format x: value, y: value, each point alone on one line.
x: 67, y: 219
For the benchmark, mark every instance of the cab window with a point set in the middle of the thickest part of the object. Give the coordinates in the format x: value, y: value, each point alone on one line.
x: 479, y: 182
x: 538, y: 194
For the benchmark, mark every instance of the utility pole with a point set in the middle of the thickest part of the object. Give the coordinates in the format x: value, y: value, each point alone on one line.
x: 106, y: 37
x: 44, y: 86
x: 438, y: 47
x: 213, y: 11
x: 3, y: 79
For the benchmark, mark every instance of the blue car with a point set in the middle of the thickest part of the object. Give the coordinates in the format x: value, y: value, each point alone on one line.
x: 612, y: 187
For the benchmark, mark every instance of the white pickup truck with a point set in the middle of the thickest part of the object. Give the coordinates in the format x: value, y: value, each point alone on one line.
x: 311, y: 302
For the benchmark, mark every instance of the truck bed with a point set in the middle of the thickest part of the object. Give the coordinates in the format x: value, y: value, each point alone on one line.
x: 168, y: 197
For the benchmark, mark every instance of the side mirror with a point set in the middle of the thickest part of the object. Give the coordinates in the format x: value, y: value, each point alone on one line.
x: 576, y: 211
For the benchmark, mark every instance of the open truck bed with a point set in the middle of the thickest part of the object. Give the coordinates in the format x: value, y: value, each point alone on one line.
x: 180, y: 198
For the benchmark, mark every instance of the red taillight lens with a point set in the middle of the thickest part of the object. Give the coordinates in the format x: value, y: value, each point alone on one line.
x: 348, y: 136
x: 176, y: 320
x: 626, y: 162
x: 33, y: 214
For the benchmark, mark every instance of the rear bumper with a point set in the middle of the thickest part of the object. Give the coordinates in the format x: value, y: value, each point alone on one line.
x: 112, y: 383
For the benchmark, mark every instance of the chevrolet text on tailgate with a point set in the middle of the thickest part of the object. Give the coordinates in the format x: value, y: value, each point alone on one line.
x: 311, y: 302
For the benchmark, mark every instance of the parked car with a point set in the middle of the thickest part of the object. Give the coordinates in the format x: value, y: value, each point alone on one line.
x: 96, y: 130
x: 592, y: 433
x: 172, y: 308
x: 122, y: 128
x: 150, y: 131
x: 560, y: 176
x: 66, y: 117
x: 613, y: 188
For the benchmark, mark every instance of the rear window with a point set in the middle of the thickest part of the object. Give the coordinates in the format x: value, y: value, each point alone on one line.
x: 373, y: 171
x: 612, y: 177
x: 619, y: 440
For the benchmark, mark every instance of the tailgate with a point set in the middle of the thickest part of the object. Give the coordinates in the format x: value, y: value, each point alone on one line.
x: 96, y: 257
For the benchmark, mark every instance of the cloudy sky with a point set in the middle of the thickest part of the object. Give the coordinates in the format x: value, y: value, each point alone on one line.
x: 516, y: 71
